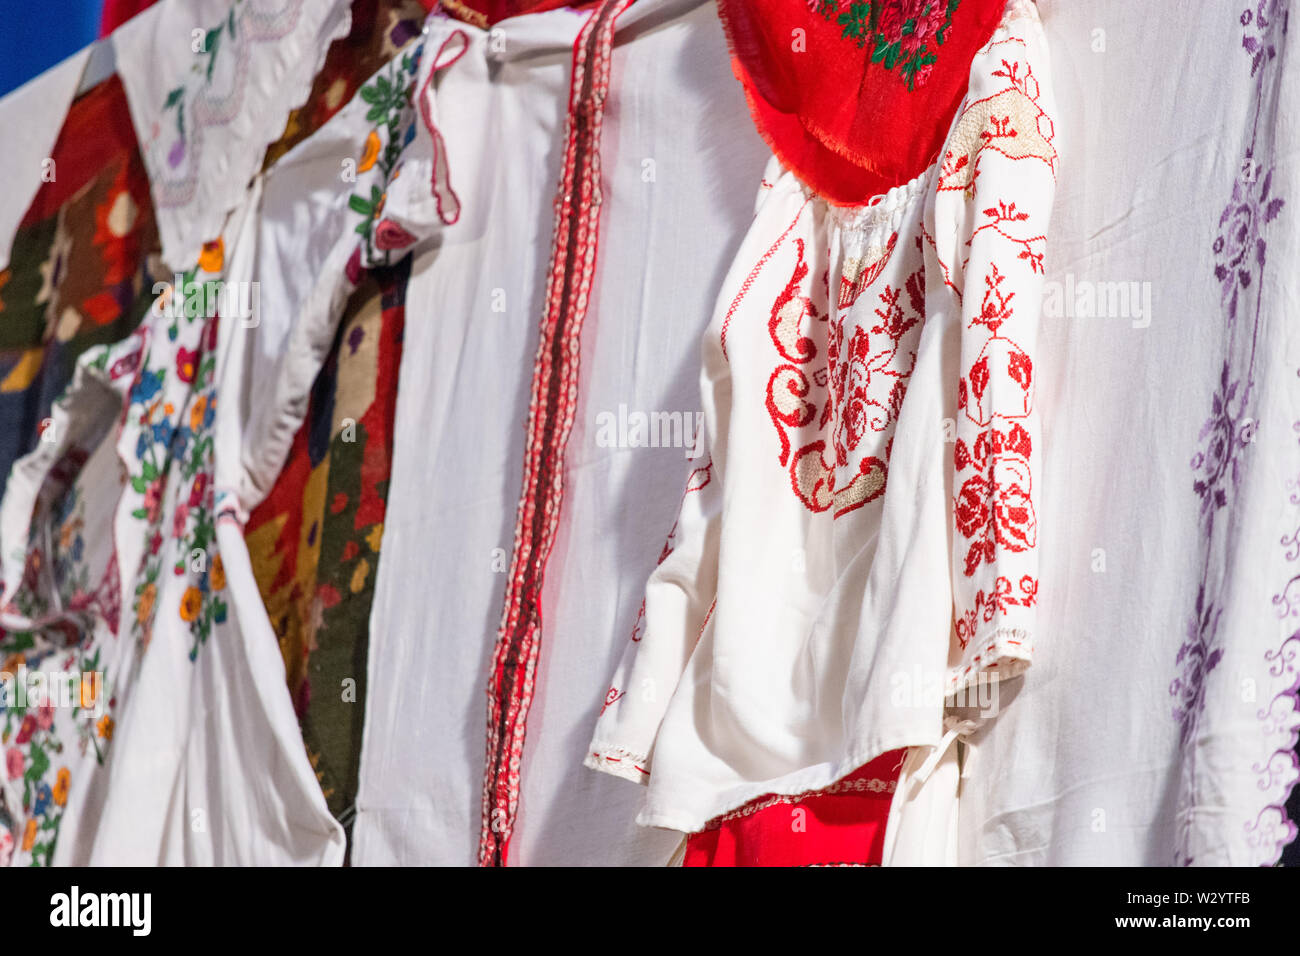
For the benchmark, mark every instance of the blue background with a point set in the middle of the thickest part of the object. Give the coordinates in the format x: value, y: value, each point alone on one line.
x: 36, y: 34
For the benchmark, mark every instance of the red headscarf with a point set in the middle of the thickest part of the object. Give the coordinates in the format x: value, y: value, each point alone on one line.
x: 856, y: 97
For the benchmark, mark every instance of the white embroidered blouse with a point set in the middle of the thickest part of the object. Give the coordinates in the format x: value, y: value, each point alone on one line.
x: 863, y: 540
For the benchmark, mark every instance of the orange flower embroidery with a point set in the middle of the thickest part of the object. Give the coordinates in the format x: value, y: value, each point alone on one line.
x: 144, y: 610
x: 105, y: 727
x: 213, y: 256
x: 371, y: 152
x: 89, y: 690
x: 218, y: 574
x: 197, y: 411
x: 191, y: 604
x: 61, y: 783
x: 29, y: 834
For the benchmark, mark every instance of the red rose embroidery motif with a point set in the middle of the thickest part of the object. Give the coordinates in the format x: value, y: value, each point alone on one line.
x: 187, y: 361
x: 994, y: 507
x: 1014, y: 521
x: 972, y: 510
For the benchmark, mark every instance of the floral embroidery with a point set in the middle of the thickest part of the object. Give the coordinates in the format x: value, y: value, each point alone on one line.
x: 994, y: 506
x: 995, y: 519
x: 172, y: 406
x: 34, y: 740
x: 900, y: 31
x: 822, y: 412
x: 862, y: 375
x: 1011, y: 123
x: 207, y: 55
x: 390, y: 97
x: 1240, y: 253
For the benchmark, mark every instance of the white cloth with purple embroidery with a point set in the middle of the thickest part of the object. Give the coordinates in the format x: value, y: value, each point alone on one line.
x: 1158, y: 724
x: 801, y: 621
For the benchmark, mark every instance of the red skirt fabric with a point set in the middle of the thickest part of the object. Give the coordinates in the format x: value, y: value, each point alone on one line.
x: 842, y: 825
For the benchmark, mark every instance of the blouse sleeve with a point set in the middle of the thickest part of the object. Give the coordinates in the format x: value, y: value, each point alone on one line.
x: 994, y: 192
x: 678, y: 601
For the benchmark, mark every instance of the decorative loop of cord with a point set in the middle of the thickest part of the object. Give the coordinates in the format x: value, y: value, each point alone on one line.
x: 452, y: 49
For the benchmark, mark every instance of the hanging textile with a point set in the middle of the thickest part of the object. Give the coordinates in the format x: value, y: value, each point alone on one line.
x: 1158, y: 724
x: 862, y: 540
x: 671, y: 206
x: 203, y: 131
x: 198, y: 454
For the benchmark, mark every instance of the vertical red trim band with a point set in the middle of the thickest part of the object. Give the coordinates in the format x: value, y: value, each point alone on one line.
x: 550, y: 419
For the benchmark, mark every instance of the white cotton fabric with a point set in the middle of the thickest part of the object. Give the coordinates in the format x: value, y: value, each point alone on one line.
x: 801, y: 622
x: 210, y: 84
x: 1158, y: 724
x: 679, y: 157
x: 37, y: 109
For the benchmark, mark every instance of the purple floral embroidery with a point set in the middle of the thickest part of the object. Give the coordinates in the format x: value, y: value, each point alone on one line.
x: 1240, y: 253
x: 1197, y: 657
x: 1217, y: 462
x: 1287, y: 600
x: 1281, y: 767
x: 1262, y: 46
x: 1239, y: 248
